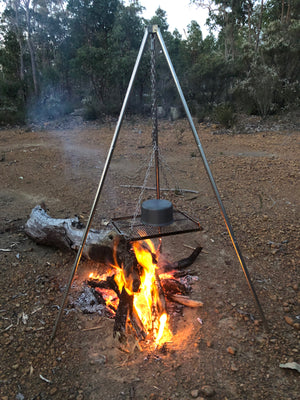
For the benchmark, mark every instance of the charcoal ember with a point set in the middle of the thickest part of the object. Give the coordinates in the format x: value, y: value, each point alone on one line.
x: 173, y: 286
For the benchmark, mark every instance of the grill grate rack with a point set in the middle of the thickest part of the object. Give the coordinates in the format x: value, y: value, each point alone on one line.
x: 136, y: 230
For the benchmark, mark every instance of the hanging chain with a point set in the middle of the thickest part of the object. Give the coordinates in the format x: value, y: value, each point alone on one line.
x: 137, y: 209
x: 155, y: 151
x: 156, y: 154
x: 153, y: 94
x: 154, y: 114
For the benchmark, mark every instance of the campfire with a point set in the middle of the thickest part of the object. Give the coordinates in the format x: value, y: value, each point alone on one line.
x: 138, y: 288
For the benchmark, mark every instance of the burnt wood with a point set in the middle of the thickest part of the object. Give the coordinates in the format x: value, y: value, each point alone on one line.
x: 172, y: 286
x: 183, y: 263
x: 108, y: 283
x: 124, y: 307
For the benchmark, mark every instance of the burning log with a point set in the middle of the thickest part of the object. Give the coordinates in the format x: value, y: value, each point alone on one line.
x: 124, y: 307
x: 108, y: 283
x: 137, y: 260
x: 161, y: 301
x: 124, y: 256
x: 135, y: 266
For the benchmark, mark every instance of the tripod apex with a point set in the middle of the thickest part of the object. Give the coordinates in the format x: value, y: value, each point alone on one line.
x: 153, y: 28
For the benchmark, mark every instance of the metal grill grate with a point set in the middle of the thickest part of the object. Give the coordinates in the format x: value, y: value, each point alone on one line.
x: 137, y: 230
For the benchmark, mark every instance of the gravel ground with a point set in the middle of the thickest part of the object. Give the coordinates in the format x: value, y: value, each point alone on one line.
x: 228, y: 354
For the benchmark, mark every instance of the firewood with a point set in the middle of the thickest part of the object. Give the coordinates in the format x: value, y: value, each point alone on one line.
x: 137, y: 324
x: 188, y: 261
x: 161, y: 303
x: 186, y: 301
x: 181, y: 264
x: 125, y: 304
x: 126, y: 310
x: 127, y: 259
x: 108, y: 283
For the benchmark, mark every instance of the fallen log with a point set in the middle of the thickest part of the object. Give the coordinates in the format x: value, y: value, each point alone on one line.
x: 67, y: 234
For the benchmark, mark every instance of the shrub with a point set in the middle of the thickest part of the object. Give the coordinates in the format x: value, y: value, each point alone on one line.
x: 10, y: 115
x: 224, y: 115
x: 259, y: 88
x: 90, y: 113
x: 12, y: 110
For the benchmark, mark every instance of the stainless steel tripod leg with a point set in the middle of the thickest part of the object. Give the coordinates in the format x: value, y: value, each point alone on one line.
x: 212, y: 181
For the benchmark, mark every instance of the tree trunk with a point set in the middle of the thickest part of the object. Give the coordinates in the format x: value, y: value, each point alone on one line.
x: 250, y: 10
x: 288, y: 13
x: 16, y: 5
x: 259, y: 25
x: 282, y: 11
x: 31, y: 47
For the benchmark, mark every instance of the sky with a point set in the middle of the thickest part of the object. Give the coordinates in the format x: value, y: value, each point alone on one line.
x: 179, y: 13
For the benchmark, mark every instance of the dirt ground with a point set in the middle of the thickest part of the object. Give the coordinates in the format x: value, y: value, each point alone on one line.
x: 219, y: 351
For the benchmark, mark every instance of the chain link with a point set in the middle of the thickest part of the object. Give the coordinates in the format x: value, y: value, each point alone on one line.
x: 139, y: 202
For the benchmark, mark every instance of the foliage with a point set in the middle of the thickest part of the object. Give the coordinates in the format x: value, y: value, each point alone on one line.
x: 54, y: 54
x: 11, y: 104
x: 224, y: 115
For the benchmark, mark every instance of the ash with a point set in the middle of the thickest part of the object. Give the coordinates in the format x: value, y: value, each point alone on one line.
x: 188, y: 280
x: 88, y: 303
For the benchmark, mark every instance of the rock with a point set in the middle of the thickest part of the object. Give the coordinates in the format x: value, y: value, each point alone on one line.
x: 289, y: 320
x: 175, y: 113
x: 195, y: 393
x: 53, y: 391
x: 234, y: 368
x: 208, y: 390
x: 161, y: 112
x: 231, y: 350
x: 260, y: 339
x: 101, y: 359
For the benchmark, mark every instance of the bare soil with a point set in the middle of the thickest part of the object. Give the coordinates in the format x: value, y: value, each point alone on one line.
x: 219, y: 351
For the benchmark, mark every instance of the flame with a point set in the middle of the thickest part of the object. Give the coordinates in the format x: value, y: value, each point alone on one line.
x: 146, y: 301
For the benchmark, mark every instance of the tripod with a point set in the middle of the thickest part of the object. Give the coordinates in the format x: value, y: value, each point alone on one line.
x: 154, y: 32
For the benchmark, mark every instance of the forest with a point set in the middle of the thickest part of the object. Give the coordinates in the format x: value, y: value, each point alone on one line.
x: 58, y: 56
